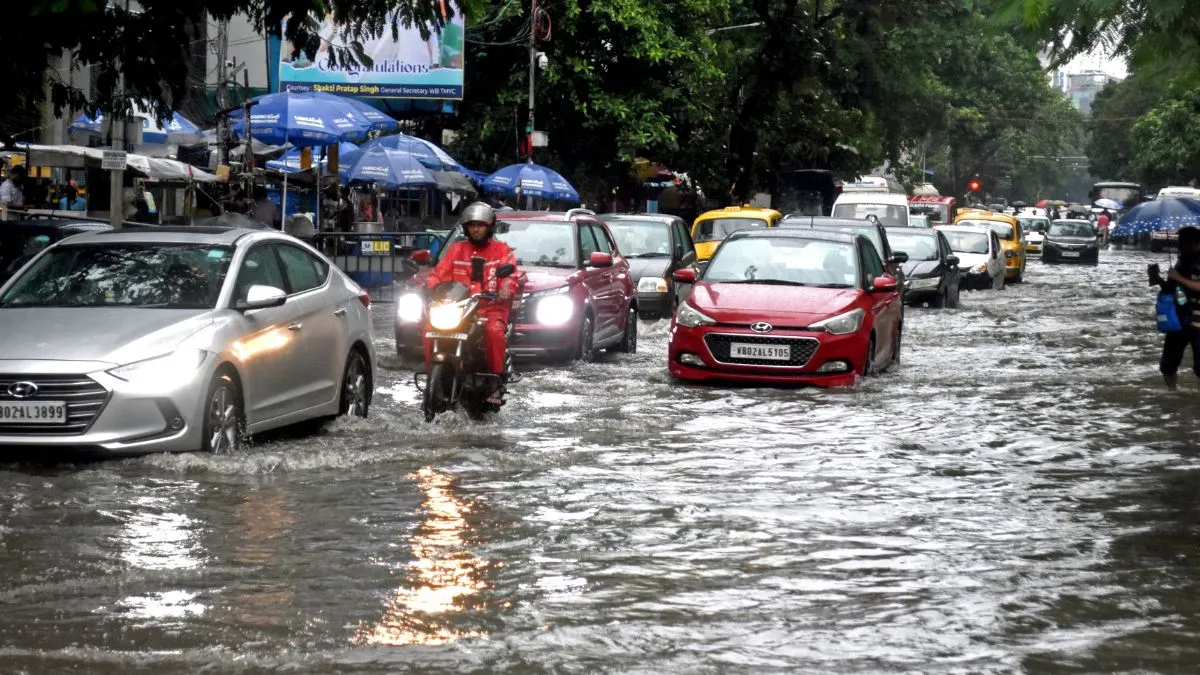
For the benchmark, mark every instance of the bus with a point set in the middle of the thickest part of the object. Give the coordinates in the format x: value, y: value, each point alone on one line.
x: 1128, y: 195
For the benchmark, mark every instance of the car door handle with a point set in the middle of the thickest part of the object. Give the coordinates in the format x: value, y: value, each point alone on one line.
x: 295, y: 326
x: 340, y: 312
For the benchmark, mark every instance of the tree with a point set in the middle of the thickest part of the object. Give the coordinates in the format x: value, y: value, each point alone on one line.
x: 1160, y: 37
x: 1167, y: 141
x: 147, y: 42
x: 1117, y: 106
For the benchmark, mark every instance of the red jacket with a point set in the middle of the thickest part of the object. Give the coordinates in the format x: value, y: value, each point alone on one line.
x: 456, y: 266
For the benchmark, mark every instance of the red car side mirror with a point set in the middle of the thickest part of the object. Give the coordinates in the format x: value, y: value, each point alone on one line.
x: 421, y: 257
x: 685, y: 275
x: 885, y: 283
x: 599, y: 259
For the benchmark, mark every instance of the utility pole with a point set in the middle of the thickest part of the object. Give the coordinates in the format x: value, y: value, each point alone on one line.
x: 222, y: 95
x: 116, y: 177
x: 532, y: 74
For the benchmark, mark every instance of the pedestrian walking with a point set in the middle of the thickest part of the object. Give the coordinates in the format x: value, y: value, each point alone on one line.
x: 71, y: 201
x: 1182, y: 284
x: 12, y: 192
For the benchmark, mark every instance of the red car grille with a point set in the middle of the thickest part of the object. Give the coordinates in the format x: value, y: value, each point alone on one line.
x: 85, y: 398
x: 802, y: 350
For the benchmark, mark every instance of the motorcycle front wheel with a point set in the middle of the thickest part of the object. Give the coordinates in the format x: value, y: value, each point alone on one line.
x: 435, y: 392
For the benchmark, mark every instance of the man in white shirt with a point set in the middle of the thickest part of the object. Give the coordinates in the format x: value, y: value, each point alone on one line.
x: 10, y: 190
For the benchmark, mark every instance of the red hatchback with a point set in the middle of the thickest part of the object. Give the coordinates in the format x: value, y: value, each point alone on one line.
x: 579, y: 296
x: 788, y: 307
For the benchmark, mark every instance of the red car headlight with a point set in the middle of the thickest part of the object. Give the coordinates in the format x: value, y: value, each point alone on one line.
x: 842, y: 323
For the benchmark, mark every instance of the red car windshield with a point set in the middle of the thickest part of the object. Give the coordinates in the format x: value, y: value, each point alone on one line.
x: 786, y: 261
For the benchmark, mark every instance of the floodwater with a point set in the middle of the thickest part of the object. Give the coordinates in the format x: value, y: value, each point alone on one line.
x: 1018, y: 495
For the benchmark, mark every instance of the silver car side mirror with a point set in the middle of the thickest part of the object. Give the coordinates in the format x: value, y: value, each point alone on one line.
x: 260, y: 297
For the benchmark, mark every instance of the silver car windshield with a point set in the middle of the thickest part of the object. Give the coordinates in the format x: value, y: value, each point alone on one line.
x: 641, y: 238
x: 160, y: 276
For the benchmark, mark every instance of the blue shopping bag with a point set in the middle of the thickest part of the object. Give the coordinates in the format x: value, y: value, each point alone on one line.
x: 1166, y: 314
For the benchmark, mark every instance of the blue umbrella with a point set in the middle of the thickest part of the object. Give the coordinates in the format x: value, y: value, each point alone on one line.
x: 388, y: 168
x: 290, y: 162
x: 475, y: 176
x: 177, y: 130
x: 531, y: 180
x: 303, y: 119
x: 1160, y: 215
x: 426, y: 152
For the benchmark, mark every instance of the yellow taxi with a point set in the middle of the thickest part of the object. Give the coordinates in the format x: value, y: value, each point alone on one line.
x: 1011, y: 234
x: 712, y: 227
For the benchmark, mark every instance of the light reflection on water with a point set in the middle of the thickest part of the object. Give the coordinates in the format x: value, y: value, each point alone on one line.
x: 442, y: 578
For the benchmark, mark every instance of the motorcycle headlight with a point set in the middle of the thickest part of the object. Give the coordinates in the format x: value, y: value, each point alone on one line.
x: 652, y: 285
x: 690, y: 317
x: 446, y: 317
x: 410, y: 308
x: 555, y: 310
x: 171, y: 368
x: 842, y: 323
x: 927, y: 282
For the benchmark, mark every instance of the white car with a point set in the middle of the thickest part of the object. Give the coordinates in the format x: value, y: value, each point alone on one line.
x: 980, y: 257
x: 1035, y: 232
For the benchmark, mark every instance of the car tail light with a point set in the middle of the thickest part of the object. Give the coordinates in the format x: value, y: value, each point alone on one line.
x: 365, y: 299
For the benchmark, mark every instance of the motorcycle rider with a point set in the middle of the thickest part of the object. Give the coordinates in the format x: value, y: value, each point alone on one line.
x: 479, y: 225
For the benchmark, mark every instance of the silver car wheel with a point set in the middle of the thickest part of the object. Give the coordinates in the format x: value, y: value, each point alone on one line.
x: 355, y: 387
x: 224, y: 419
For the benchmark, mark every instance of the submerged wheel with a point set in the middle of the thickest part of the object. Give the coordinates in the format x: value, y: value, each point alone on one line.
x: 434, y: 393
x: 356, y: 386
x: 629, y: 342
x: 224, y: 420
x: 587, y: 338
x: 869, y: 369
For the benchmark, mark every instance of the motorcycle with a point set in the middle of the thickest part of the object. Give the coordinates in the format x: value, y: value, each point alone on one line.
x: 458, y: 374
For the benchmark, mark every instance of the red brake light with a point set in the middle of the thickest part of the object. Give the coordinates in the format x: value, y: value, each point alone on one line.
x: 365, y: 299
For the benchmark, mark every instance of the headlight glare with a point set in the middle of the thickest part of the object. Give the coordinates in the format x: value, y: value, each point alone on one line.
x: 554, y: 310
x: 410, y: 307
x: 842, y: 323
x: 690, y: 317
x: 170, y: 368
x: 446, y: 317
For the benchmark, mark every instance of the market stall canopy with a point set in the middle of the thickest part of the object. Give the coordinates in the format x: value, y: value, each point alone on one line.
x: 76, y: 156
x: 309, y: 118
x: 178, y: 130
x: 290, y: 162
x: 426, y: 152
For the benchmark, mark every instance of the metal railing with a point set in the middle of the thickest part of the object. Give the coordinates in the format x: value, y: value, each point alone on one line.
x: 377, y: 261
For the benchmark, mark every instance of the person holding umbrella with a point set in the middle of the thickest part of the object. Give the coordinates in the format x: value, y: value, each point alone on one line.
x: 1183, y: 281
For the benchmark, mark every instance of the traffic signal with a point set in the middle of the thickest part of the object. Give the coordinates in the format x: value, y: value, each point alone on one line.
x: 974, y: 185
x: 525, y: 145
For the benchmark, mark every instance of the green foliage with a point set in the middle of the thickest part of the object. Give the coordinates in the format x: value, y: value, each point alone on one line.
x: 1167, y: 140
x: 1115, y: 109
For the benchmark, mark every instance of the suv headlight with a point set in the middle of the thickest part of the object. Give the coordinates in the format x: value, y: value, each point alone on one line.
x: 410, y: 307
x: 172, y: 368
x: 927, y: 282
x: 690, y: 317
x: 842, y: 323
x: 652, y: 285
x: 555, y: 310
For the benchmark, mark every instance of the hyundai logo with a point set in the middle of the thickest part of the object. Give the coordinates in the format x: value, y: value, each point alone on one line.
x: 762, y: 327
x: 22, y: 390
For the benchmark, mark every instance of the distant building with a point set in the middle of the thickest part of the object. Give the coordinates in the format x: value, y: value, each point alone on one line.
x: 1082, y: 87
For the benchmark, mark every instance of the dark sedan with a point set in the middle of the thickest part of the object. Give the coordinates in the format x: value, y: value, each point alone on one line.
x: 931, y: 272
x: 21, y: 240
x: 655, y: 245
x: 1071, y: 241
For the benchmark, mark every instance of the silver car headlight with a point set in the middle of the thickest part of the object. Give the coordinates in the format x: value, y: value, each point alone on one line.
x: 410, y: 307
x: 842, y: 323
x: 979, y: 269
x: 171, y: 368
x: 446, y: 317
x: 652, y: 285
x: 927, y: 282
x: 690, y: 317
x: 555, y: 310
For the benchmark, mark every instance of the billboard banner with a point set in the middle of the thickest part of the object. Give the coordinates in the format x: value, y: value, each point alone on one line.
x: 409, y: 67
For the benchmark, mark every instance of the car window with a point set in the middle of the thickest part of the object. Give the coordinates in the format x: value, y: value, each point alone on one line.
x: 304, y: 272
x: 944, y: 245
x: 259, y: 268
x: 602, y: 239
x: 871, y: 264
x: 18, y: 248
x: 715, y: 229
x: 683, y: 240
x: 587, y: 242
x: 995, y: 242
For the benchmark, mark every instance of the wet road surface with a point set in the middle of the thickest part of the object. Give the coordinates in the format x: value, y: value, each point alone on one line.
x: 1018, y: 495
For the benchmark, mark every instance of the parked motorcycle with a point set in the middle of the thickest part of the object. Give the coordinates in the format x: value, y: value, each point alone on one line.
x: 458, y: 373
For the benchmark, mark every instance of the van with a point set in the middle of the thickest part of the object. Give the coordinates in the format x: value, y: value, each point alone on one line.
x: 1178, y: 191
x: 889, y: 208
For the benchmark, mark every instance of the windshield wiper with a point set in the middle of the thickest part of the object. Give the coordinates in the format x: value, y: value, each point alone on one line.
x: 653, y: 254
x: 782, y: 282
x: 835, y: 285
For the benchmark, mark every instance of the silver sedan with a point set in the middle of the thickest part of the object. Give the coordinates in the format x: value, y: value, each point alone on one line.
x: 175, y: 339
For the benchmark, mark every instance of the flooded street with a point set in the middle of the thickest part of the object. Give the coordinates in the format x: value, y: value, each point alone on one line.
x: 1018, y: 495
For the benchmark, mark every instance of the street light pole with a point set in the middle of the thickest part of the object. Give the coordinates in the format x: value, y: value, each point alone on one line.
x: 532, y: 74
